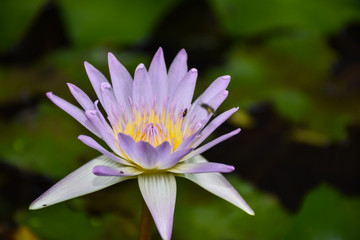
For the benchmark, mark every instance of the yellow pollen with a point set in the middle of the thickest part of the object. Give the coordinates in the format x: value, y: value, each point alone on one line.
x: 153, y: 128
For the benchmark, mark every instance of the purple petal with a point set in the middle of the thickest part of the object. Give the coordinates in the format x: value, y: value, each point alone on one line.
x: 122, y: 83
x: 102, y: 170
x: 213, y: 125
x: 142, y: 92
x: 218, y: 185
x: 174, y: 158
x: 217, y: 87
x: 96, y: 78
x: 127, y: 144
x: 159, y: 193
x: 158, y: 75
x: 80, y: 182
x: 177, y: 71
x: 184, y: 92
x: 141, y: 153
x: 164, y: 150
x: 148, y: 156
x: 209, y: 145
x: 110, y: 104
x: 202, y: 115
x: 73, y: 111
x: 93, y: 144
x: 187, y: 141
x: 205, y: 167
x: 106, y: 132
x: 81, y: 97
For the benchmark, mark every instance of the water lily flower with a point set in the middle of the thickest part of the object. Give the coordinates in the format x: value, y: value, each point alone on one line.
x: 154, y: 133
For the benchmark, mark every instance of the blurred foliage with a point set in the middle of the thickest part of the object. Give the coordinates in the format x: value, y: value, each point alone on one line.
x: 111, y: 22
x: 242, y: 17
x: 15, y: 18
x: 60, y: 222
x: 278, y: 51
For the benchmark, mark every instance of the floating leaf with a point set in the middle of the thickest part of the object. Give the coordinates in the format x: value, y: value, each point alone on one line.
x: 326, y: 214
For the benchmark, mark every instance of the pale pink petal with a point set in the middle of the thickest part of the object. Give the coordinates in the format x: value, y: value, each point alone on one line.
x: 159, y: 193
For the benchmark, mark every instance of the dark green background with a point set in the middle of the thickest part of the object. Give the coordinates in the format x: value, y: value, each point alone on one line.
x: 295, y: 68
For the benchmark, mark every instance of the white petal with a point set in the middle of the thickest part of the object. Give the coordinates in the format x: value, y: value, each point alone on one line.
x: 218, y: 185
x: 159, y: 193
x: 80, y: 182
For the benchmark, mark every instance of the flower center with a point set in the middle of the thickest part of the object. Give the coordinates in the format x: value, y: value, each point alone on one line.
x: 154, y: 128
x: 151, y: 134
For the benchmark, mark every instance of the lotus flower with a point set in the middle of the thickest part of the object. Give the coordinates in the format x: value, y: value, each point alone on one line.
x: 154, y: 133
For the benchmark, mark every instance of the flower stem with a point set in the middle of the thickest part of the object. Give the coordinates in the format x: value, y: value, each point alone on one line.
x: 146, y: 223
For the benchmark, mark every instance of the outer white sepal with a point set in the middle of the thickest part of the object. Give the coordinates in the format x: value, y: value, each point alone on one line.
x: 80, y: 182
x: 159, y: 193
x: 218, y: 185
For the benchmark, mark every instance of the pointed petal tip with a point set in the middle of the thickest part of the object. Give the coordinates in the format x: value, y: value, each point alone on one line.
x: 89, y: 67
x: 182, y: 51
x: 72, y: 87
x: 35, y: 205
x: 111, y: 58
x: 252, y: 213
x: 110, y: 55
x: 249, y: 211
x: 159, y: 51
